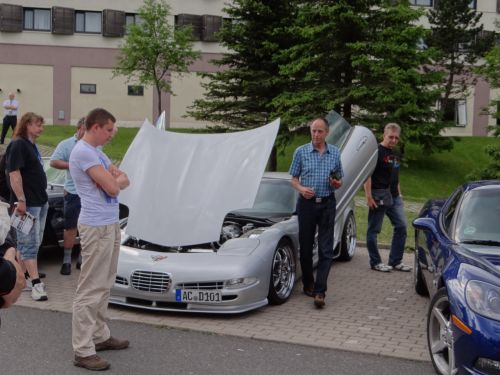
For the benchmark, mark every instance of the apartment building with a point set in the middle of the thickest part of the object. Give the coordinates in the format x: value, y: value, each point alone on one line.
x: 469, y: 113
x: 58, y: 57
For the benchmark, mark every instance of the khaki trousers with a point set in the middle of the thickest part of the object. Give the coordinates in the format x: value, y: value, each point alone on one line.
x: 100, y: 249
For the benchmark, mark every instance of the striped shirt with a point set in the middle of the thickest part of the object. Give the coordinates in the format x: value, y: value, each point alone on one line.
x: 314, y: 168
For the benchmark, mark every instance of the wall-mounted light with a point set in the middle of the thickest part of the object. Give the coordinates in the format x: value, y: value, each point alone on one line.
x: 19, y: 91
x: 0, y: 90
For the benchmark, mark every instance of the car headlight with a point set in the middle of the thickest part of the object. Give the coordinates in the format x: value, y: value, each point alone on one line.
x: 240, y: 282
x: 483, y: 298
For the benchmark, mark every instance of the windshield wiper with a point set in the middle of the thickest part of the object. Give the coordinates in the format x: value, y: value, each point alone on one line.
x: 482, y: 242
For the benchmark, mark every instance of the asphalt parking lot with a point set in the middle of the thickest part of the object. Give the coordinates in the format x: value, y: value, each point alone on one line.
x: 366, y: 311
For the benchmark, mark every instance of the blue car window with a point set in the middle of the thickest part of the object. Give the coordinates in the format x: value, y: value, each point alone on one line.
x: 479, y: 218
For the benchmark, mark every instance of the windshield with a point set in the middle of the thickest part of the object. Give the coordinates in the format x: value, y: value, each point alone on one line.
x: 479, y: 216
x: 275, y: 197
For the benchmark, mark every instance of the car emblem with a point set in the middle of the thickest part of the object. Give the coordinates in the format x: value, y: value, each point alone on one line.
x: 157, y: 258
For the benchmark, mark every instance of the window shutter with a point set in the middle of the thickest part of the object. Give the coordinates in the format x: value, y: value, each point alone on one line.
x: 63, y: 20
x: 498, y: 6
x: 211, y: 25
x: 436, y: 3
x: 11, y: 18
x: 190, y: 20
x: 113, y: 22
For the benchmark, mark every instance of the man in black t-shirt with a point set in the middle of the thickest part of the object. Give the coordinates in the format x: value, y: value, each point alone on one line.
x: 383, y: 196
x: 28, y: 183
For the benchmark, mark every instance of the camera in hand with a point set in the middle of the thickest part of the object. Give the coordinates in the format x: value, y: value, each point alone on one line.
x: 334, y: 175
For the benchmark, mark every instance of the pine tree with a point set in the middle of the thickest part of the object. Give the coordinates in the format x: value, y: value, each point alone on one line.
x: 240, y: 94
x: 458, y: 36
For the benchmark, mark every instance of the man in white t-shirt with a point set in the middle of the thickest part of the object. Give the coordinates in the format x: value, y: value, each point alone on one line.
x: 98, y: 184
x: 10, y: 108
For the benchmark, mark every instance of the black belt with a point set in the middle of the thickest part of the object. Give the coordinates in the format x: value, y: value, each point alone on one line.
x: 320, y: 199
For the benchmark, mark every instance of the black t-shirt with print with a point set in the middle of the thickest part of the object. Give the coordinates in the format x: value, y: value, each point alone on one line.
x: 24, y: 156
x: 386, y: 172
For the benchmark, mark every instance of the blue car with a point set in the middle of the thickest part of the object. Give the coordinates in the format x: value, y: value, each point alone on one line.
x: 457, y: 263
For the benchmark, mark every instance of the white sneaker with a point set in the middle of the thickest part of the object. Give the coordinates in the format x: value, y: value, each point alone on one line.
x: 38, y: 292
x: 28, y: 286
x: 381, y: 267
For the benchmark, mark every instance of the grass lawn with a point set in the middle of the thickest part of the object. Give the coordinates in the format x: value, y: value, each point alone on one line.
x: 422, y: 177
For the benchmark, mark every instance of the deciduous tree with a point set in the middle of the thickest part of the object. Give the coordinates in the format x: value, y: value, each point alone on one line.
x: 153, y: 48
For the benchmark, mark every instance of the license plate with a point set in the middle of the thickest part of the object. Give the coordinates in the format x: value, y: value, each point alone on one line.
x: 200, y: 296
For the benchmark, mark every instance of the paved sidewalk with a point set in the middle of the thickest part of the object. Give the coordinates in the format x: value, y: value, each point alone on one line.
x: 366, y: 311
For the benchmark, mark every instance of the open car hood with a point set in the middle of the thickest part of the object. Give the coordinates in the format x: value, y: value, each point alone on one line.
x: 183, y: 185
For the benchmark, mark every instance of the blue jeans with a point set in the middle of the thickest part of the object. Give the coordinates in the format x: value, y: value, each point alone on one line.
x: 397, y: 217
x: 28, y: 244
x: 310, y: 215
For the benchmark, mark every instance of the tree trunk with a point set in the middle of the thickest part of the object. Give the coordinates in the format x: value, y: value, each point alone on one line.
x: 158, y: 91
x: 272, y: 163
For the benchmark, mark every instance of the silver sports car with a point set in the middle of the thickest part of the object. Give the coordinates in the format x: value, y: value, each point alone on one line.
x: 255, y: 261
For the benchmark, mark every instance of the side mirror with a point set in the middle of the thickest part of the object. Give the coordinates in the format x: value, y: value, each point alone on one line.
x: 425, y: 223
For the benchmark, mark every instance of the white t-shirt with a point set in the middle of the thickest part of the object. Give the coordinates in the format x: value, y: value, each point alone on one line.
x: 10, y: 112
x: 98, y: 208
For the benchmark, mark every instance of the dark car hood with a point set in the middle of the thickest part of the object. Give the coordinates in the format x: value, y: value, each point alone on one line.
x: 485, y: 257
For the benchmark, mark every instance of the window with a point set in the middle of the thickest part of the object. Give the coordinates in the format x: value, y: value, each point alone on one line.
x: 131, y: 19
x: 455, y: 110
x: 135, y: 90
x: 472, y: 4
x: 88, y: 22
x: 449, y: 210
x: 426, y: 3
x: 88, y: 88
x: 190, y: 20
x: 11, y: 19
x: 36, y: 19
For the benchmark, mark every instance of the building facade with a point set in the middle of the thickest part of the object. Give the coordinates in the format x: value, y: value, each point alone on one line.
x: 470, y: 118
x: 58, y: 57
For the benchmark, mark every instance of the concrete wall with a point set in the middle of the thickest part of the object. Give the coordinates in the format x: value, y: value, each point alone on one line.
x: 35, y: 85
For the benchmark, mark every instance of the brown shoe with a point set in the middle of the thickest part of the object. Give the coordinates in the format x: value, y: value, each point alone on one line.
x: 92, y: 362
x: 308, y: 291
x: 112, y: 344
x: 319, y: 301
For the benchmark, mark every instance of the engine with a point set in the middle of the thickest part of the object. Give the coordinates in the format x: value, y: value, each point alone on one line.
x: 232, y: 229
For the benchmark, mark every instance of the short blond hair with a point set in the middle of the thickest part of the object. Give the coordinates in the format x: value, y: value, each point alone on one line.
x: 392, y: 126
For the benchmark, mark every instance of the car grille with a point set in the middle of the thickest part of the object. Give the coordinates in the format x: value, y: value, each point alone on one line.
x: 154, y: 282
x: 197, y: 286
x: 121, y: 280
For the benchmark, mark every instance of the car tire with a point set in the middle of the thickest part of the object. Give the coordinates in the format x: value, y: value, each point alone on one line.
x: 440, y: 338
x: 348, y: 239
x: 283, y: 272
x: 418, y: 278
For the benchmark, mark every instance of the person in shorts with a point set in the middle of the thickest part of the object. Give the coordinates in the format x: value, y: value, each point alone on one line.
x: 60, y: 160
